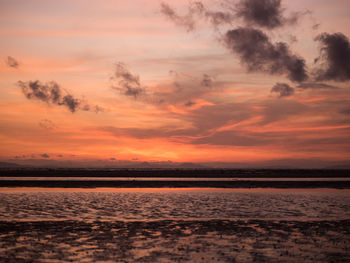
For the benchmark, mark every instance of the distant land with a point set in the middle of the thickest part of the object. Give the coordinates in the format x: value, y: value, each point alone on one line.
x: 121, y: 164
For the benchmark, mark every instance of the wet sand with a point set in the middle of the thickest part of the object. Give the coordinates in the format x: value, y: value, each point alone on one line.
x: 176, y: 241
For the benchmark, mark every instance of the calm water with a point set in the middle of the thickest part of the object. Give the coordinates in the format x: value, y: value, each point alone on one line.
x: 159, y: 204
x: 18, y: 178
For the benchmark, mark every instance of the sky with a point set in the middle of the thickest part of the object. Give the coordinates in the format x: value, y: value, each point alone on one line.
x: 224, y: 81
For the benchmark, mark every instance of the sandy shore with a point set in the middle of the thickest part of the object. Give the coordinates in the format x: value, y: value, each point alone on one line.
x: 175, y: 241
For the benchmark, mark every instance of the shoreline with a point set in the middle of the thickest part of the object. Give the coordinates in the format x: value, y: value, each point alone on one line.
x: 176, y: 184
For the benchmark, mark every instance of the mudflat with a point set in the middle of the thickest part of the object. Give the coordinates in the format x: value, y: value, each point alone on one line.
x: 176, y: 241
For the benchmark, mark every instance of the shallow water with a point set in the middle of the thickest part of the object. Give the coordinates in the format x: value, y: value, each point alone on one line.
x: 174, y: 225
x: 131, y: 204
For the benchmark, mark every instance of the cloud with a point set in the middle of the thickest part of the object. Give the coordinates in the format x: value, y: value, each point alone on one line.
x: 47, y: 124
x: 207, y: 81
x: 127, y: 83
x: 334, y: 59
x: 45, y: 155
x: 51, y: 93
x: 259, y: 54
x: 283, y: 89
x: 186, y: 21
x: 315, y: 85
x: 195, y: 11
x: 146, y: 133
x: 264, y: 13
x: 183, y: 90
x: 268, y: 14
x: 286, y: 90
x: 189, y: 103
x: 216, y: 18
x: 235, y: 138
x: 281, y: 110
x: 12, y: 62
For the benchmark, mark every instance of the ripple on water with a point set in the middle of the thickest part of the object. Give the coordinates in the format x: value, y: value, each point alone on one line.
x: 132, y: 205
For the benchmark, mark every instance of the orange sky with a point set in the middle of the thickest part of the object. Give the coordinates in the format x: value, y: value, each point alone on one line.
x: 164, y: 92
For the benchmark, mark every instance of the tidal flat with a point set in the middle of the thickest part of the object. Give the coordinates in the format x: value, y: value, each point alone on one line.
x: 176, y: 241
x: 174, y: 225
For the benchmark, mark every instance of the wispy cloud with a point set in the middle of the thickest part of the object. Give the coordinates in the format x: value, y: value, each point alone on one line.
x: 12, y: 62
x: 47, y: 124
x: 186, y: 21
x: 127, y: 83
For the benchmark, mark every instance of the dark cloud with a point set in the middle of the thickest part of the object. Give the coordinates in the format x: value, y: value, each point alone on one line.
x: 112, y: 159
x: 60, y: 155
x: 45, y: 155
x: 127, y: 83
x: 264, y: 13
x: 49, y: 92
x: 47, y: 124
x: 259, y: 54
x: 334, y: 59
x: 283, y: 89
x: 52, y: 93
x: 12, y: 62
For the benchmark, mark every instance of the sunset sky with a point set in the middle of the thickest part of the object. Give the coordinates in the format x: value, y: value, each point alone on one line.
x: 236, y: 81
